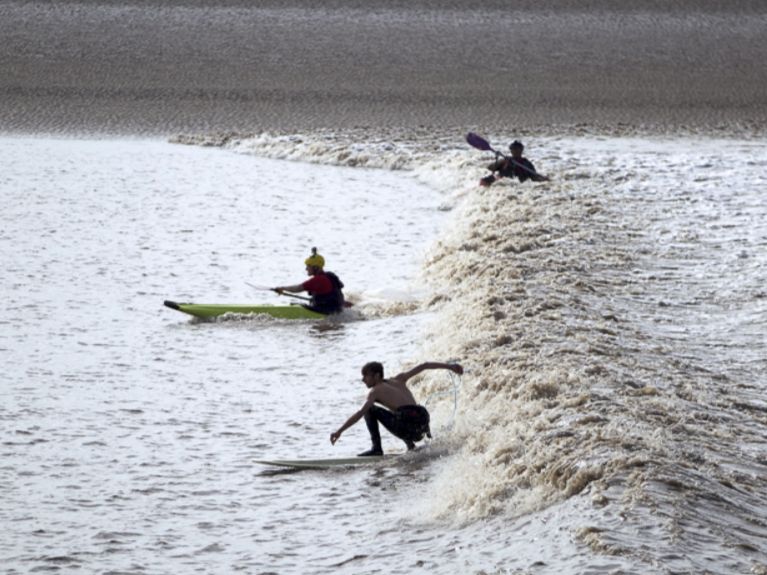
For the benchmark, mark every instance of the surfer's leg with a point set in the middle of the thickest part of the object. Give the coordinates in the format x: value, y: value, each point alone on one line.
x: 372, y: 417
x: 398, y: 426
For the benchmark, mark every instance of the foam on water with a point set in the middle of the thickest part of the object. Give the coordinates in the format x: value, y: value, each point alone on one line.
x: 615, y: 324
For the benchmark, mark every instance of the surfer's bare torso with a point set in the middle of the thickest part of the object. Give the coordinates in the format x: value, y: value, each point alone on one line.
x: 392, y: 393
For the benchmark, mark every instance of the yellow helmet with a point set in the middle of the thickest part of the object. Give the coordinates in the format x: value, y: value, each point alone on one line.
x: 315, y: 260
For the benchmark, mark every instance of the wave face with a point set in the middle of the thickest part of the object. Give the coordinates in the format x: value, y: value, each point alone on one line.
x: 613, y: 324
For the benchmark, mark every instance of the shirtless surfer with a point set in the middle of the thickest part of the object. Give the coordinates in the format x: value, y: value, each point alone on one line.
x: 403, y: 417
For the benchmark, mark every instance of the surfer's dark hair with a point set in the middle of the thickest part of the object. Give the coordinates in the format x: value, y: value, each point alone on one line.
x: 373, y: 367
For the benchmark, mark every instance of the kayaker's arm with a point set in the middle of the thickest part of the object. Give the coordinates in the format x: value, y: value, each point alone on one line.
x: 496, y: 169
x: 354, y: 418
x: 292, y: 289
x: 528, y: 167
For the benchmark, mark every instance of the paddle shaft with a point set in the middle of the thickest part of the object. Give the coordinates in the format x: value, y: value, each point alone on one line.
x: 258, y: 287
x: 301, y: 297
x: 265, y: 288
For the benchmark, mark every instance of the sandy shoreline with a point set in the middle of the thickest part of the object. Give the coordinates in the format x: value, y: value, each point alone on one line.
x: 192, y: 67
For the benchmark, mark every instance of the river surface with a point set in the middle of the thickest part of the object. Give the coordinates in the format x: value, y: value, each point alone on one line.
x: 130, y: 430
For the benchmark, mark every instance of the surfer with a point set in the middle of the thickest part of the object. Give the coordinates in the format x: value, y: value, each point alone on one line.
x: 515, y: 166
x: 402, y: 417
x: 324, y: 287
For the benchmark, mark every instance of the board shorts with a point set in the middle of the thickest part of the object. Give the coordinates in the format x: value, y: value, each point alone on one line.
x: 408, y: 422
x: 414, y: 420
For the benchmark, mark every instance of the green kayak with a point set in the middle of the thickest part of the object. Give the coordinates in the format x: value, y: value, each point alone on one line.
x: 209, y: 310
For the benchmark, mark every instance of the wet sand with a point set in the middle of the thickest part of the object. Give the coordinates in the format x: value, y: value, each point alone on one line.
x: 205, y: 67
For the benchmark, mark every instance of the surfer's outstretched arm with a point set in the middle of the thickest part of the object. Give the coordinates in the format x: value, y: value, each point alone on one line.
x: 354, y: 418
x: 404, y: 376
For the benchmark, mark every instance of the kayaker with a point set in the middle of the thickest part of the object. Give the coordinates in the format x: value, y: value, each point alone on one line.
x: 324, y: 287
x: 403, y: 417
x: 514, y: 167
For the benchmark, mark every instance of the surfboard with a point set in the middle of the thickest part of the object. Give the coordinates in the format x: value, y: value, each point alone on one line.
x: 326, y: 463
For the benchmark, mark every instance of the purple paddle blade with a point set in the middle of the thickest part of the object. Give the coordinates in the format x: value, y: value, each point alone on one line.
x: 477, y: 141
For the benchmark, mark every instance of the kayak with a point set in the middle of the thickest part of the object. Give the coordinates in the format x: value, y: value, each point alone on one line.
x: 210, y: 310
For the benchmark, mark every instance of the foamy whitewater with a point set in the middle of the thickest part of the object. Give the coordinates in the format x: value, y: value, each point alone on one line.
x: 614, y: 324
x: 611, y: 420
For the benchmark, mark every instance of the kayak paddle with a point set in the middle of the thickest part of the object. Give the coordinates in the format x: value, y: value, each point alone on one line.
x: 477, y: 141
x: 296, y: 296
x: 346, y: 303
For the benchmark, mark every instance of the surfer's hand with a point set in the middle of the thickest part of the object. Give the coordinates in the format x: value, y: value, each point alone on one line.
x: 457, y: 368
x: 334, y: 437
x: 278, y: 290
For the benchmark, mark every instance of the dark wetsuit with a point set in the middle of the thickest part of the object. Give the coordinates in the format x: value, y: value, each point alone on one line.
x: 410, y: 423
x: 521, y: 168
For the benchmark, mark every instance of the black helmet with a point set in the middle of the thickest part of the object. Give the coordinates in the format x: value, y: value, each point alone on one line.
x: 516, y: 144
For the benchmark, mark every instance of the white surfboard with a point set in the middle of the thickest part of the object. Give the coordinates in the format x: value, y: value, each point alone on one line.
x: 326, y: 463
